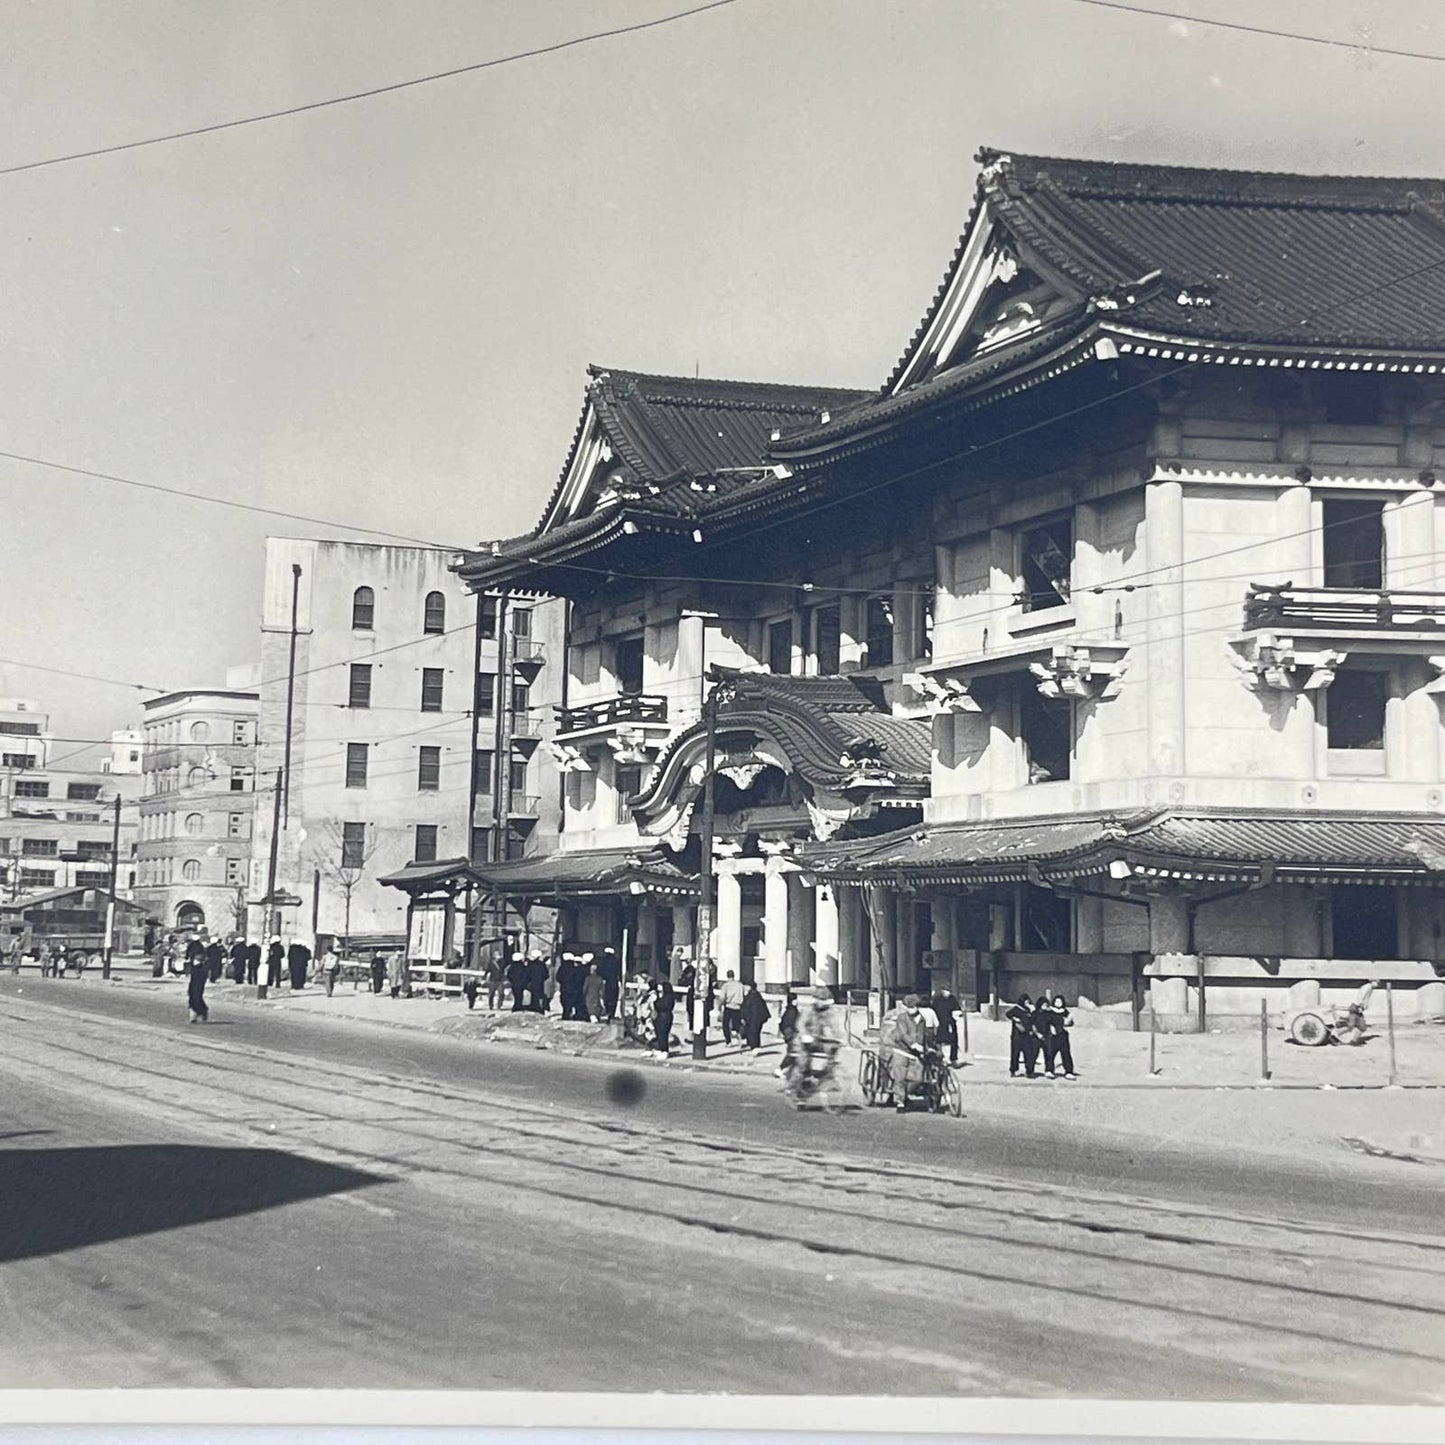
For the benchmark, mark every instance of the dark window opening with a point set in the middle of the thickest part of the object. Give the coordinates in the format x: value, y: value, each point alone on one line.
x: 521, y: 699
x: 1355, y: 711
x: 429, y: 769
x: 1047, y: 554
x: 82, y: 792
x: 1363, y: 922
x: 426, y: 843
x: 1046, y: 726
x: 29, y: 788
x: 878, y: 632
x: 485, y: 762
x: 1354, y: 544
x: 1046, y: 921
x: 363, y: 609
x: 521, y: 622
x: 434, y: 615
x: 627, y: 665
x: 487, y: 617
x: 356, y: 755
x: 828, y: 641
x: 780, y: 647
x: 359, y: 691
x: 353, y: 845
x: 629, y: 785
x: 486, y: 694
x: 482, y: 845
x: 431, y: 688
x: 518, y: 775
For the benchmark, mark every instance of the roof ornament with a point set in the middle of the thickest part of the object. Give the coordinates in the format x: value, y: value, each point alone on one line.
x: 568, y: 759
x: 1271, y: 663
x: 1200, y: 298
x: 1076, y: 672
x: 630, y: 745
x: 942, y: 694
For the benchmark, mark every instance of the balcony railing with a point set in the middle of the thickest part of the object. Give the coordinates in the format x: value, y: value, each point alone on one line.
x: 527, y: 724
x: 524, y: 805
x: 631, y: 707
x: 1338, y: 608
x: 528, y: 649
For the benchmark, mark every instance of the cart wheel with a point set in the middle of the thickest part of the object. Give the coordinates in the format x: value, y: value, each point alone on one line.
x: 1309, y: 1029
x: 952, y: 1093
x: 882, y: 1083
x: 868, y: 1076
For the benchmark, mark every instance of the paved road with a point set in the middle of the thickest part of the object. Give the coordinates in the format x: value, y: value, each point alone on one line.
x: 271, y: 1201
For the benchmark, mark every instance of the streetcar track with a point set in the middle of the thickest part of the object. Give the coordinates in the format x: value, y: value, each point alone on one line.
x: 784, y: 1237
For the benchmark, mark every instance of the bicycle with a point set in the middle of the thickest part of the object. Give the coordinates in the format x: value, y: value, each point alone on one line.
x: 939, y: 1089
x: 815, y: 1076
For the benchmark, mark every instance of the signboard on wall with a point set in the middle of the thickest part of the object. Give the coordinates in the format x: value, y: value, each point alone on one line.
x: 428, y: 928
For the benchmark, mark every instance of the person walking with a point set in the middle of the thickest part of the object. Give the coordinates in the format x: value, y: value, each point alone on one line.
x: 731, y: 996
x: 1057, y: 1050
x: 496, y: 979
x: 196, y: 992
x: 238, y: 959
x: 215, y: 960
x: 787, y: 1031
x: 298, y: 960
x: 664, y: 1003
x: 330, y: 968
x: 253, y: 960
x: 394, y: 972
x: 15, y: 952
x: 378, y: 971
x: 610, y: 967
x: 275, y: 957
x: 517, y: 982
x: 567, y: 971
x: 945, y: 1006
x: 1023, y: 1044
x: 754, y: 1014
x: 592, y: 1002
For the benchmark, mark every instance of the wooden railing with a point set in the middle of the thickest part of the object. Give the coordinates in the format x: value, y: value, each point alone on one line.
x: 1338, y: 607
x: 624, y: 708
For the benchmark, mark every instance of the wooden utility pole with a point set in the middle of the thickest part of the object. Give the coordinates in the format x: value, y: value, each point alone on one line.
x: 110, y: 900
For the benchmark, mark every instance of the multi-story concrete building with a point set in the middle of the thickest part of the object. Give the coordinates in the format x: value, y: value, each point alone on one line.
x: 1137, y: 553
x: 57, y: 825
x: 403, y: 685
x: 194, y: 851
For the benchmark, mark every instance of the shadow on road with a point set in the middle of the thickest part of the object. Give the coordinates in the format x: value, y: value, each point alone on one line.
x: 60, y: 1199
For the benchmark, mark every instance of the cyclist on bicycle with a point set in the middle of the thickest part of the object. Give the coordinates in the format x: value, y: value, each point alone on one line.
x: 819, y: 1033
x: 903, y: 1041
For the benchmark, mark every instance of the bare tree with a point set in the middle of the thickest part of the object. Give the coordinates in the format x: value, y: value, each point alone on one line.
x: 343, y: 861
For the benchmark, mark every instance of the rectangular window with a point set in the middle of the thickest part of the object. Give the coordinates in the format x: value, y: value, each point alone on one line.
x: 1046, y: 921
x: 486, y: 761
x: 353, y: 845
x: 89, y: 878
x: 17, y: 760
x: 432, y: 679
x: 521, y: 622
x: 780, y: 647
x: 486, y: 694
x: 629, y: 785
x: 1046, y: 726
x: 39, y: 847
x: 827, y: 641
x: 1355, y: 705
x: 518, y: 776
x: 521, y: 699
x: 37, y: 878
x: 238, y: 780
x: 92, y: 848
x: 487, y: 617
x: 21, y: 730
x: 356, y: 757
x: 82, y: 792
x: 1046, y: 563
x: 31, y: 788
x: 235, y: 872
x: 878, y: 632
x: 481, y: 845
x: 429, y: 769
x: 1363, y: 922
x: 236, y: 825
x: 359, y: 693
x: 627, y: 655
x: 426, y: 843
x: 1354, y: 544
x: 240, y: 733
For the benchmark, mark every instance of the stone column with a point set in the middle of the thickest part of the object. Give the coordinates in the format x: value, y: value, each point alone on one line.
x: 727, y: 939
x: 1168, y: 924
x: 647, y: 935
x: 684, y: 917
x: 775, y: 924
x: 852, y: 963
x: 801, y: 962
x: 1164, y: 658
x: 827, y: 958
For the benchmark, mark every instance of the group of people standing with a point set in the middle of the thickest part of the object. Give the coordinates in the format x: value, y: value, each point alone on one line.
x: 585, y: 981
x: 240, y: 959
x: 1040, y: 1026
x: 54, y: 960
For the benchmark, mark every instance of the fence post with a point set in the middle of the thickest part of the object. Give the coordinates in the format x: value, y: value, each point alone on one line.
x: 1264, y: 1040
x: 1152, y: 1069
x: 1390, y: 1026
x: 964, y: 1013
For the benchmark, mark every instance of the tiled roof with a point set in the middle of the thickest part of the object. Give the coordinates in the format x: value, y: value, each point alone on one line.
x: 418, y: 877
x: 1408, y: 845
x: 601, y: 870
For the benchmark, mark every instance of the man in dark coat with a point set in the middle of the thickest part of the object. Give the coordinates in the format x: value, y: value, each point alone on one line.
x: 517, y: 982
x: 238, y: 961
x: 298, y: 960
x: 215, y: 960
x: 945, y: 1006
x: 275, y: 957
x: 1023, y: 1043
x: 195, y: 949
x: 196, y: 991
x: 610, y: 967
x: 788, y: 1031
x: 536, y: 977
x: 567, y: 984
x: 755, y: 1013
x: 378, y: 971
x: 666, y: 1004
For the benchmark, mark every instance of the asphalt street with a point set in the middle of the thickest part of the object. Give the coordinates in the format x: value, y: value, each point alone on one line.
x: 279, y: 1201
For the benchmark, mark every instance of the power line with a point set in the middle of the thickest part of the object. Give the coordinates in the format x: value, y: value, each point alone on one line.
x: 365, y: 94
x: 226, y: 501
x: 1263, y: 30
x: 83, y: 676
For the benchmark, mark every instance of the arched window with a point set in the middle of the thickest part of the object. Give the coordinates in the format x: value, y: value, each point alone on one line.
x: 194, y: 823
x: 200, y: 731
x: 363, y: 609
x: 196, y: 777
x: 435, y: 619
x: 191, y: 869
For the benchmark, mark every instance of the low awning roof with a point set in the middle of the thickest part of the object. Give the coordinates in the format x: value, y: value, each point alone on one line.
x: 448, y: 875
x: 1186, y: 847
x: 595, y: 872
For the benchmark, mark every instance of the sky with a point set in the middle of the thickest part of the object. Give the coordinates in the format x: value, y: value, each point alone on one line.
x: 379, y: 314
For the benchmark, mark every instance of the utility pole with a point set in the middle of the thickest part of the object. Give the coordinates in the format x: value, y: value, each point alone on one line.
x: 707, y: 884
x: 273, y: 914
x: 291, y: 683
x: 110, y: 901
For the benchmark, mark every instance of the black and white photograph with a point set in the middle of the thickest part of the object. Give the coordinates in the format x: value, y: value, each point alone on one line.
x: 723, y: 716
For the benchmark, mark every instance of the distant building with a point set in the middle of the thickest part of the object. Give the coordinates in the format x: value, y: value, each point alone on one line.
x: 195, y: 815
x: 56, y: 825
x: 387, y: 747
x: 126, y: 747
